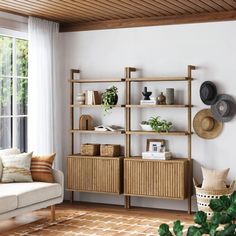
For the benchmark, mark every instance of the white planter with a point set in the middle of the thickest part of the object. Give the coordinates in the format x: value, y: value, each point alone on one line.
x: 146, y: 127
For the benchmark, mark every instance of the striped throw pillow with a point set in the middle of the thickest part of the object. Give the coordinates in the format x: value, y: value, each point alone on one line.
x: 41, y: 168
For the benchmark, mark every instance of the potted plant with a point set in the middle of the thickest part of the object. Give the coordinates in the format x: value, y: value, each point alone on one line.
x: 222, y: 223
x: 159, y: 125
x: 109, y: 98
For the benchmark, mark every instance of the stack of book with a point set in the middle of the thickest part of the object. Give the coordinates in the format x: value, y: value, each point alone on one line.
x: 152, y: 101
x: 92, y: 97
x: 156, y: 155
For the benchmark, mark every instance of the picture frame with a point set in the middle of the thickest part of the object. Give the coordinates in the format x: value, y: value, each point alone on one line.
x: 153, y: 145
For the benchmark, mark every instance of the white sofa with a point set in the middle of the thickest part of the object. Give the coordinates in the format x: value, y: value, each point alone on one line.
x: 19, y: 198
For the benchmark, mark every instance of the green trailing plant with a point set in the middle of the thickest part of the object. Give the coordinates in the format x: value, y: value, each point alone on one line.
x: 222, y: 222
x: 159, y: 125
x: 109, y: 98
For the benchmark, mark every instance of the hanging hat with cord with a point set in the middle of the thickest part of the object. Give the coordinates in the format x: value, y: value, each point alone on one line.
x: 208, y: 93
x: 205, y: 125
x: 224, y: 109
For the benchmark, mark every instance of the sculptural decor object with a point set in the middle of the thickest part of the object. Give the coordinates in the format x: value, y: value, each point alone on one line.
x: 86, y: 122
x: 161, y: 99
x: 146, y: 94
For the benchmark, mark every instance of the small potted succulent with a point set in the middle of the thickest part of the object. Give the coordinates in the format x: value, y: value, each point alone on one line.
x: 109, y: 98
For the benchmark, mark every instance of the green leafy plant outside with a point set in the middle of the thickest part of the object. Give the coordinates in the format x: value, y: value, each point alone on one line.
x: 109, y: 98
x: 222, y: 223
x: 6, y: 71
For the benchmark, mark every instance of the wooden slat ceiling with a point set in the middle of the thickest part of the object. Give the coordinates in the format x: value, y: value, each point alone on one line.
x: 77, y: 15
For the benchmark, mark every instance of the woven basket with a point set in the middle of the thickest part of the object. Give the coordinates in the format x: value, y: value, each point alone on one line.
x: 110, y: 150
x: 204, y: 196
x: 90, y: 149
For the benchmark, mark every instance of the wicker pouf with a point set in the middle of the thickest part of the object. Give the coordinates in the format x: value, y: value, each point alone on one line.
x: 204, y: 196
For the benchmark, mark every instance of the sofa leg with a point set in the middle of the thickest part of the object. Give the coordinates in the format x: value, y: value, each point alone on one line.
x: 53, y: 215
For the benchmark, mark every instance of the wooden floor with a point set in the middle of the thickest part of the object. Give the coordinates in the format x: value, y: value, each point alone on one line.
x: 68, y: 208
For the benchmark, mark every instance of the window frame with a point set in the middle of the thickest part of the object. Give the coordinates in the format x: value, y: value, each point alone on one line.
x: 23, y: 36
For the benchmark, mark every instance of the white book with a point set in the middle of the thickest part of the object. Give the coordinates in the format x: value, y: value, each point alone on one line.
x: 89, y: 99
x: 148, y: 102
x: 157, y: 155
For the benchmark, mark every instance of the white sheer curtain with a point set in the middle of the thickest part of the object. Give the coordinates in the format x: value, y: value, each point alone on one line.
x: 44, y: 87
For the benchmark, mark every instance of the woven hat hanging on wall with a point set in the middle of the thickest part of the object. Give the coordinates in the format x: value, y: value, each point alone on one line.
x: 205, y: 125
x: 208, y: 93
x: 224, y: 109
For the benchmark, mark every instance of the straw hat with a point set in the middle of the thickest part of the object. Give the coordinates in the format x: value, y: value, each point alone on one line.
x: 205, y: 125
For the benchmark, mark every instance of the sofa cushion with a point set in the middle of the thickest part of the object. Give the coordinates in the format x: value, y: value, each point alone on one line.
x: 31, y: 193
x: 41, y: 168
x: 16, y: 168
x: 8, y: 151
x: 7, y: 202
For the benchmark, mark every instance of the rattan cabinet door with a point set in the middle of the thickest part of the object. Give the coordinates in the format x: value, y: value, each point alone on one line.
x: 79, y: 174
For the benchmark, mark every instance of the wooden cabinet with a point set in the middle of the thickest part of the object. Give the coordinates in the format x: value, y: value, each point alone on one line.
x: 161, y: 179
x: 94, y: 174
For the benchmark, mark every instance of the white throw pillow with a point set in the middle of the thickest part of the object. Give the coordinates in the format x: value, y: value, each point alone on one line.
x: 16, y: 168
x: 214, y: 179
x: 4, y: 152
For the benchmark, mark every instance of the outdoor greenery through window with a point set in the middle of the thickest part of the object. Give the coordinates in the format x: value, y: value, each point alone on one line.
x: 13, y: 92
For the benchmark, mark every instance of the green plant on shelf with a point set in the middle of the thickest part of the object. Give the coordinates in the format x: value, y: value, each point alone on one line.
x: 159, y: 125
x: 109, y: 98
x: 222, y: 222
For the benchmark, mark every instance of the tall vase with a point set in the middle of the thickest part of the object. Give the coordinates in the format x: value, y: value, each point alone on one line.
x: 170, y: 97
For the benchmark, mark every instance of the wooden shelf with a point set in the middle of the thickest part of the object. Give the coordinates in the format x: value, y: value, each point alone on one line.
x: 78, y: 155
x: 170, y: 133
x: 96, y: 132
x: 131, y: 175
x: 156, y: 79
x: 97, y: 81
x: 158, y: 106
x: 174, y: 159
x: 95, y: 106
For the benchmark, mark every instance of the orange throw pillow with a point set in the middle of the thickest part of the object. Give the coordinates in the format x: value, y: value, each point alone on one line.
x: 41, y: 168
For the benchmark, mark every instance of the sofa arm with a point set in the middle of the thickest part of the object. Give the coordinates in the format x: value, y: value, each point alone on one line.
x: 59, y: 178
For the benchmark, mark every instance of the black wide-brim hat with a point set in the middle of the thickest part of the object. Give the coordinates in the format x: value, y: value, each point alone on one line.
x: 208, y: 93
x: 224, y: 109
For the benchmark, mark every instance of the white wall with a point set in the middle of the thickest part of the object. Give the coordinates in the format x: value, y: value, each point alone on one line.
x: 13, y: 22
x: 163, y: 50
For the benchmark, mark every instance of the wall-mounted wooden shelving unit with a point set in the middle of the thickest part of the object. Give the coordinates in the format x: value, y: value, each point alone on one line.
x: 169, y: 179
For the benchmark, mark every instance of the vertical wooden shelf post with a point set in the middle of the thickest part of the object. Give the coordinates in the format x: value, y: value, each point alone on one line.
x: 190, y: 68
x: 73, y: 72
x: 128, y: 71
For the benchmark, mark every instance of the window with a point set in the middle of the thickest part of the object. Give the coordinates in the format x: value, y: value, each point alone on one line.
x: 13, y: 92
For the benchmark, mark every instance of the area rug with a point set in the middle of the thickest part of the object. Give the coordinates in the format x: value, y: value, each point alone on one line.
x: 94, y: 224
